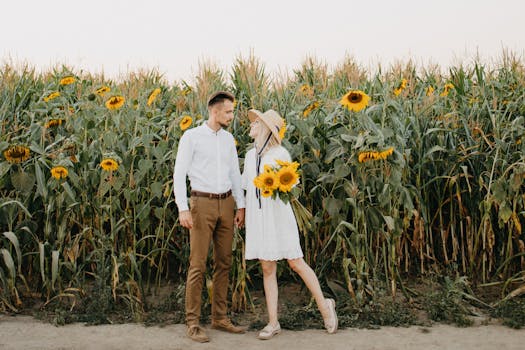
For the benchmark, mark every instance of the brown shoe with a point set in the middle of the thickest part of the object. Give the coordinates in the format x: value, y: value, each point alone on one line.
x: 197, y: 333
x: 227, y: 326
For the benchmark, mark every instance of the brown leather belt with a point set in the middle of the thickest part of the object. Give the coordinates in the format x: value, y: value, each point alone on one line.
x: 211, y: 195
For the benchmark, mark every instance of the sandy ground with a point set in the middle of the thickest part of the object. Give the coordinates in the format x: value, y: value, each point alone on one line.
x: 23, y: 332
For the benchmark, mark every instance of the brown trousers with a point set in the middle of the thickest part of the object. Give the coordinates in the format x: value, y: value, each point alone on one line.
x: 212, y: 221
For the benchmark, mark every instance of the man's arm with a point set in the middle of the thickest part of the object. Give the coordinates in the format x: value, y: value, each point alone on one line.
x: 182, y: 165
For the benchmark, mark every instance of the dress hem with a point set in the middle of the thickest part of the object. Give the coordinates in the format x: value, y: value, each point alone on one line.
x: 275, y: 258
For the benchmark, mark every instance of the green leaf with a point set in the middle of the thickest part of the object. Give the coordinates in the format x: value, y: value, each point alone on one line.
x: 14, y: 240
x: 40, y: 182
x: 350, y: 138
x: 159, y: 213
x: 156, y: 189
x: 360, y: 141
x: 54, y: 267
x: 145, y: 165
x: 434, y: 149
x: 19, y: 204
x: 8, y: 260
x: 22, y: 181
x: 332, y: 206
x: 333, y: 151
x: 4, y: 168
x: 389, y: 222
x: 341, y: 169
x: 68, y: 191
x: 41, y: 251
x: 504, y: 212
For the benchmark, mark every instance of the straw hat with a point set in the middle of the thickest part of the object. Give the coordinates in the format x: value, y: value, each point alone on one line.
x: 270, y: 118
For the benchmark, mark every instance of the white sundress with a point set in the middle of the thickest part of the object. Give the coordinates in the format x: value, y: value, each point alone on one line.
x: 271, y: 231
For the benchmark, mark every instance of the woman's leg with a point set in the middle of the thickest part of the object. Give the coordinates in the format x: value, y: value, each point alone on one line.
x: 271, y: 291
x: 310, y: 279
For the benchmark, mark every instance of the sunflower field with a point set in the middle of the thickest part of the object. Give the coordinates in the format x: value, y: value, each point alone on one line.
x: 404, y: 173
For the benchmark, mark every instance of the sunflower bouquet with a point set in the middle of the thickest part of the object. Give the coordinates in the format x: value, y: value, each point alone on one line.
x: 278, y: 180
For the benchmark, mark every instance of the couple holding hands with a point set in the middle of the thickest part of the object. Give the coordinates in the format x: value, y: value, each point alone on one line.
x: 208, y: 157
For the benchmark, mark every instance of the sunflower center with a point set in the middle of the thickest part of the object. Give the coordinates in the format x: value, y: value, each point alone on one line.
x: 355, y: 97
x: 17, y: 154
x: 268, y: 181
x: 286, y: 178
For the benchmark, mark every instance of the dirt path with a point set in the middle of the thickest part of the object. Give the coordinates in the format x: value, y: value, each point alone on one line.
x: 26, y: 333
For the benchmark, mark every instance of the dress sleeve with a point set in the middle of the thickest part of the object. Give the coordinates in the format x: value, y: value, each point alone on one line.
x: 244, y: 180
x: 245, y: 174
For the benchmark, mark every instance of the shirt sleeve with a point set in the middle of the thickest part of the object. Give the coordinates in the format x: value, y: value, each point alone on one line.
x: 181, y: 168
x: 236, y: 179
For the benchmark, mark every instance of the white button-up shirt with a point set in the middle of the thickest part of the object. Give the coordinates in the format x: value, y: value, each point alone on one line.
x: 209, y: 159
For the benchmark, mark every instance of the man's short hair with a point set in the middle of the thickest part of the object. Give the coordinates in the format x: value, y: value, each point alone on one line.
x: 219, y: 97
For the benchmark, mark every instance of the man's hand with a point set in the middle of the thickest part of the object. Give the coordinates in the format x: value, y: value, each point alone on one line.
x: 185, y: 219
x: 239, y: 218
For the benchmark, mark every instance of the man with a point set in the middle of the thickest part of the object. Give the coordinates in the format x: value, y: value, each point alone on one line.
x: 207, y: 155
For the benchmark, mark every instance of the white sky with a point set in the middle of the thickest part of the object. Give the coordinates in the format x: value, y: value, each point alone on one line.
x: 116, y: 36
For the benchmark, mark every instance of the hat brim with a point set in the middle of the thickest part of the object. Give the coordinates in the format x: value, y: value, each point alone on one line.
x: 253, y: 115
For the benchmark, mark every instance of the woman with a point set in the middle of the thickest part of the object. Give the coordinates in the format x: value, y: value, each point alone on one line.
x: 271, y: 228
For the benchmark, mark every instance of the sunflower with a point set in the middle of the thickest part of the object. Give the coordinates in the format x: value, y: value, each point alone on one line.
x: 306, y: 90
x: 268, y: 168
x: 473, y: 100
x: 115, y: 102
x: 153, y: 96
x: 355, y: 100
x: 185, y: 122
x: 386, y: 153
x: 267, y: 192
x: 102, y: 90
x: 402, y: 85
x: 287, y: 177
x: 266, y: 180
x: 51, y: 96
x: 109, y: 164
x: 310, y: 108
x: 17, y: 154
x: 67, y: 80
x: 70, y: 109
x: 59, y: 172
x: 446, y: 89
x: 284, y: 163
x: 282, y: 130
x: 366, y: 156
x: 429, y: 90
x: 54, y: 122
x: 374, y: 155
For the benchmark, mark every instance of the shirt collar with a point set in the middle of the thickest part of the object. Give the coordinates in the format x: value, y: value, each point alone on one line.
x: 209, y: 130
